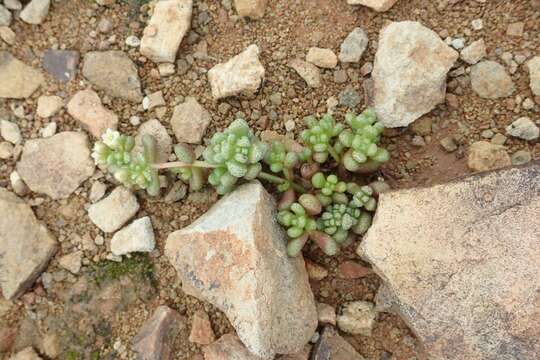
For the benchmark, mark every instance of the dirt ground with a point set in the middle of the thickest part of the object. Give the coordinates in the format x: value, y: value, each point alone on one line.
x: 289, y: 28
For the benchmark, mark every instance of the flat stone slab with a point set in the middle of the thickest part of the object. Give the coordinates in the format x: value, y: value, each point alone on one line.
x: 61, y: 64
x: 461, y: 263
x: 18, y: 80
x: 27, y: 245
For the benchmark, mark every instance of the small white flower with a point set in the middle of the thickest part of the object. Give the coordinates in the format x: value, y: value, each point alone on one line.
x: 110, y: 138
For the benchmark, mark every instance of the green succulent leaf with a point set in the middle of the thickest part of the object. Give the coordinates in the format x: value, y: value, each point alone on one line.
x: 319, y: 135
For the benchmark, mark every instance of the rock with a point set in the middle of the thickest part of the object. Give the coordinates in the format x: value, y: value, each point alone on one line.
x: 357, y: 317
x: 48, y: 106
x: 326, y: 314
x: 61, y: 64
x: 35, y: 12
x: 7, y: 35
x: 26, y: 354
x: 189, y: 121
x: 56, y: 166
x: 533, y: 66
x: 409, y: 73
x: 523, y: 128
x: 228, y: 347
x: 515, y: 29
x: 350, y: 98
x: 521, y: 157
x: 253, y: 9
x: 377, y: 5
x: 490, y: 80
x: 10, y: 132
x: 307, y: 71
x: 7, y: 337
x: 155, y: 339
x: 106, y: 2
x: 241, y: 75
x: 475, y: 52
x: 105, y: 26
x: 315, y: 271
x: 449, y: 144
x: 71, y: 262
x: 153, y: 100
x: 18, y: 80
x: 27, y: 245
x: 167, y: 27
x: 163, y: 140
x: 331, y: 346
x: 302, y: 355
x: 166, y: 69
x: 353, y: 46
x: 17, y: 184
x: 323, y: 58
x: 13, y: 4
x: 475, y: 252
x: 97, y: 191
x: 136, y: 237
x: 484, y: 156
x: 177, y: 192
x: 201, y: 329
x: 111, y: 213
x: 498, y: 139
x: 353, y: 270
x: 48, y: 130
x: 113, y: 72
x: 6, y: 150
x: 5, y: 16
x: 133, y: 41
x: 272, y: 309
x: 86, y: 107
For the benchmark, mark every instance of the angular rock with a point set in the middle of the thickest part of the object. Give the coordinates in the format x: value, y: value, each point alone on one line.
x: 201, y: 329
x: 189, y: 121
x: 523, y: 128
x: 113, y: 72
x: 377, y: 5
x: 304, y: 354
x: 153, y: 100
x: 409, y: 73
x: 27, y: 245
x: 7, y: 35
x: 272, y: 308
x: 17, y: 184
x: 241, y: 75
x: 250, y: 8
x: 490, y: 80
x: 163, y: 140
x: 86, y: 107
x: 167, y: 27
x: 48, y: 106
x: 10, y: 131
x: 13, y: 4
x: 484, y: 156
x: 97, y: 191
x: 533, y: 66
x: 353, y: 270
x: 357, y: 317
x: 475, y: 52
x: 61, y: 64
x: 18, y: 80
x: 326, y: 314
x: 71, y: 262
x: 155, y: 339
x: 136, y: 237
x: 228, y: 347
x: 35, y: 12
x: 6, y: 150
x: 323, y: 58
x: 5, y: 16
x: 111, y: 213
x: 26, y: 354
x: 353, y: 46
x: 307, y: 71
x: 476, y: 257
x: 56, y: 166
x: 331, y: 346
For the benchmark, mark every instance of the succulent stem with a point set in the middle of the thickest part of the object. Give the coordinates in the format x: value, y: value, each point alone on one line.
x: 333, y: 153
x: 179, y: 164
x: 278, y: 180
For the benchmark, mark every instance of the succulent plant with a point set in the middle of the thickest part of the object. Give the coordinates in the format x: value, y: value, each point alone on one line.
x: 279, y: 159
x: 360, y: 142
x: 115, y: 152
x: 318, y: 136
x: 298, y: 224
x: 330, y: 188
x: 194, y: 176
x: 235, y: 153
x: 337, y: 220
x: 362, y: 196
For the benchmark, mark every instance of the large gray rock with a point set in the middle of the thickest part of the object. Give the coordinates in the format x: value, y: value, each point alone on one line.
x: 155, y: 339
x: 167, y: 27
x: 460, y: 261
x: 113, y: 72
x: 241, y: 75
x: 490, y: 80
x: 86, y: 107
x: 27, y: 245
x: 409, y: 74
x: 61, y: 64
x: 377, y: 5
x: 18, y: 80
x: 57, y: 165
x: 234, y: 256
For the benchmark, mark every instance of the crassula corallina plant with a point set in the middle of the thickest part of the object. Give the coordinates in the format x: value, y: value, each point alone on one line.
x: 316, y: 204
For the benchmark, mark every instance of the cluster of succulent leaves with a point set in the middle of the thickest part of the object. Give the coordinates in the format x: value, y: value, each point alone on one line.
x: 316, y: 204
